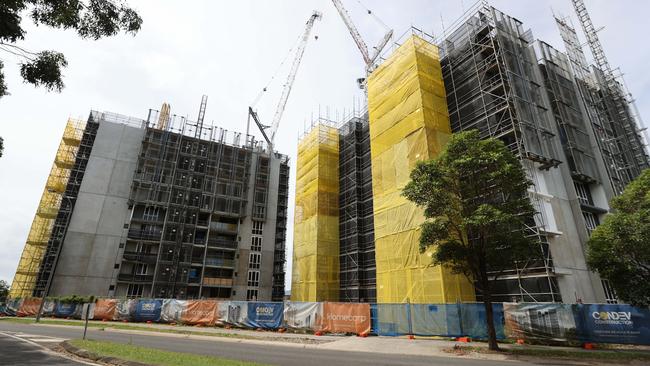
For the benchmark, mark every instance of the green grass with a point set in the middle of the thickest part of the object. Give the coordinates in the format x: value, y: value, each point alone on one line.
x: 153, y: 356
x: 115, y: 325
x: 602, y: 355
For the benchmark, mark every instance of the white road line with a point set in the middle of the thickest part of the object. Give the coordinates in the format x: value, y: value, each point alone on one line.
x: 47, y: 350
x: 46, y: 340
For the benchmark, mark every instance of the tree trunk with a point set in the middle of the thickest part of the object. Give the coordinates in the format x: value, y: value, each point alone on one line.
x: 489, y: 315
x: 487, y: 302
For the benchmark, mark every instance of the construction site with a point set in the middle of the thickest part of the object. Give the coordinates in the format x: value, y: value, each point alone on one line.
x: 168, y: 207
x: 573, y: 126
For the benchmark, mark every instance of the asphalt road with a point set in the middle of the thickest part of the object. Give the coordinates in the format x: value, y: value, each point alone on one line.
x: 268, y: 354
x: 16, y: 351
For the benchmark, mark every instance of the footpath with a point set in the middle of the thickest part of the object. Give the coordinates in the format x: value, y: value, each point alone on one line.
x: 418, y: 346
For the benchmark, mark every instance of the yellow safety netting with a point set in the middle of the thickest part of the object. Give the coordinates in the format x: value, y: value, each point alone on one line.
x: 315, y: 274
x: 408, y: 122
x: 30, y: 261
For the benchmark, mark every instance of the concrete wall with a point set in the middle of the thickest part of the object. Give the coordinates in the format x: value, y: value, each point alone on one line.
x: 567, y: 236
x: 91, y: 248
x: 240, y: 281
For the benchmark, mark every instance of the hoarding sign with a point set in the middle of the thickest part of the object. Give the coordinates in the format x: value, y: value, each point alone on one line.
x: 613, y: 323
x: 346, y: 317
x: 202, y: 312
x: 148, y: 310
x: 265, y: 315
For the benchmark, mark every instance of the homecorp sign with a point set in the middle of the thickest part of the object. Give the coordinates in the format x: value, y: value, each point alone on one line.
x: 346, y: 317
x: 610, y: 323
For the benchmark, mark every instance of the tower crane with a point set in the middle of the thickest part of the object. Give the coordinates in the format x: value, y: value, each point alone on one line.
x: 361, y: 45
x: 269, y: 131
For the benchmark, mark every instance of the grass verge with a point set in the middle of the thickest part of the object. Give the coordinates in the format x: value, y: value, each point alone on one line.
x: 153, y: 356
x: 617, y: 355
x: 115, y: 325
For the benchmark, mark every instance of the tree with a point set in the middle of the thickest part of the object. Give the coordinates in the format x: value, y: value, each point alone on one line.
x: 2, y: 146
x: 91, y: 19
x: 476, y: 204
x: 4, y: 290
x: 619, y: 248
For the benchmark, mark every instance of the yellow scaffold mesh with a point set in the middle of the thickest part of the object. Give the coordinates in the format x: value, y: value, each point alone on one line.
x: 408, y: 122
x: 315, y: 274
x: 48, y: 207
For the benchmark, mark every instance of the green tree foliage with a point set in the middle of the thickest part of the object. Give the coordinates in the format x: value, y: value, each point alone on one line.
x: 4, y: 290
x: 91, y: 19
x: 619, y: 248
x: 476, y: 204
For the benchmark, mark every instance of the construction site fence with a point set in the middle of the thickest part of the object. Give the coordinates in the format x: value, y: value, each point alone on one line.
x: 593, y: 323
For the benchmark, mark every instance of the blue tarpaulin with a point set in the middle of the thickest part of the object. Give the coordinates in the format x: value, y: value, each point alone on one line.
x: 447, y: 320
x: 265, y: 315
x: 148, y: 310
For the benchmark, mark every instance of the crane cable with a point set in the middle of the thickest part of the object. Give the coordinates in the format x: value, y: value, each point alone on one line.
x: 374, y: 16
x: 266, y: 86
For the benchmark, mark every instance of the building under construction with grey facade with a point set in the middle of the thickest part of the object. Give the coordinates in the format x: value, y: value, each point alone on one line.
x: 163, y: 207
x: 573, y: 126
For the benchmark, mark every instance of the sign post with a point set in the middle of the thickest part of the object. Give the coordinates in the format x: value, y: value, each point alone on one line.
x: 85, y: 314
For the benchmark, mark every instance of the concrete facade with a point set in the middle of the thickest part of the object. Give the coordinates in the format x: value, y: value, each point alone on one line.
x: 91, y: 249
x: 186, y: 231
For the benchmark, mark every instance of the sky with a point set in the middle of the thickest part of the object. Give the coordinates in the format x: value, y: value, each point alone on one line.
x: 229, y: 50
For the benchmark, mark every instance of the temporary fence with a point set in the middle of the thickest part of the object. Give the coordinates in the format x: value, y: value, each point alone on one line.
x: 595, y: 323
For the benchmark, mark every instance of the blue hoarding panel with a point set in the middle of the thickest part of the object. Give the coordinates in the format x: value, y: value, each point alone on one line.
x: 148, y: 310
x: 266, y: 315
x: 62, y: 310
x: 613, y: 323
x: 473, y: 320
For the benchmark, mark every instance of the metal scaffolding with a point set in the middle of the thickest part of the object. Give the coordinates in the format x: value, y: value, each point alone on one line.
x: 188, y: 196
x: 494, y: 85
x: 609, y: 106
x: 356, y: 224
x: 51, y: 212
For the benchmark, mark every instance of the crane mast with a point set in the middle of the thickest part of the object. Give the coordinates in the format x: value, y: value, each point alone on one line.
x: 361, y: 45
x: 269, y: 135
x: 292, y: 75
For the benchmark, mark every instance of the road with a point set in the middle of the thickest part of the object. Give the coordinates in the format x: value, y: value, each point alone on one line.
x: 262, y: 353
x: 25, y: 349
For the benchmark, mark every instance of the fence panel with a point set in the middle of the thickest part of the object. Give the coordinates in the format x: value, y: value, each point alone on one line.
x: 612, y: 323
x: 341, y: 317
x: 105, y: 309
x: 473, y: 320
x: 303, y: 315
x: 29, y: 307
x: 267, y: 315
x: 596, y: 323
x: 200, y: 312
x: 172, y: 310
x: 392, y: 319
x: 147, y: 310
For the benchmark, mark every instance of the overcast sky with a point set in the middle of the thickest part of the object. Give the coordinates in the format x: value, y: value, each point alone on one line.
x: 229, y: 50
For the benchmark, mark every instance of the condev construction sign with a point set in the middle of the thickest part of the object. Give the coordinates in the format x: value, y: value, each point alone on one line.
x: 597, y: 323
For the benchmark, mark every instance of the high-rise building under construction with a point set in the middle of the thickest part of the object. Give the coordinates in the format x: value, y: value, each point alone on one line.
x: 571, y: 125
x: 163, y: 207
